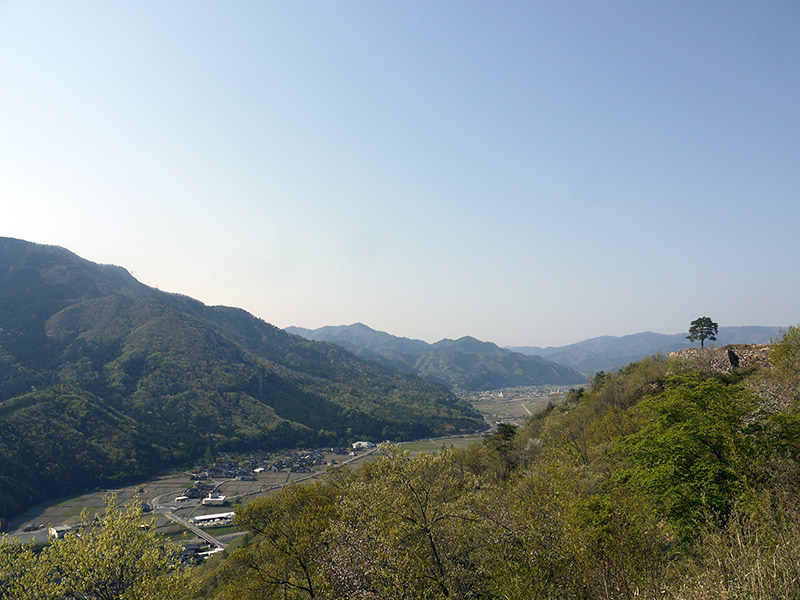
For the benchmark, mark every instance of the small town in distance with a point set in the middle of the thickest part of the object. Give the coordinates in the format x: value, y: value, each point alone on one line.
x: 195, y: 495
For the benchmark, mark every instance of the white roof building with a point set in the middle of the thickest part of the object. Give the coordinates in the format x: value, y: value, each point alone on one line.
x: 214, y: 500
x: 214, y: 517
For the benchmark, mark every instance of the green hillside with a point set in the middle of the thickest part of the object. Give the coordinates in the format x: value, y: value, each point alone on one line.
x: 671, y: 478
x: 103, y: 379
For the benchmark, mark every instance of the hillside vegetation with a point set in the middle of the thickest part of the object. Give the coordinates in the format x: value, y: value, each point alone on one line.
x: 664, y: 480
x: 103, y: 379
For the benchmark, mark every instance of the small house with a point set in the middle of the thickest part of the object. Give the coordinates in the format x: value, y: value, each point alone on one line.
x: 59, y: 531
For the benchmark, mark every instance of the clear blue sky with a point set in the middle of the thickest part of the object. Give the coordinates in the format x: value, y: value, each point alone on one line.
x: 529, y: 173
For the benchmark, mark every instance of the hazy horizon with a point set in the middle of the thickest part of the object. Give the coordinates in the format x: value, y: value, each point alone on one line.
x: 531, y: 174
x: 535, y: 345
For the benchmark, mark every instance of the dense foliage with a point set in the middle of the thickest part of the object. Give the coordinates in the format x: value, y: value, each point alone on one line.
x: 658, y: 481
x: 111, y: 557
x: 103, y: 379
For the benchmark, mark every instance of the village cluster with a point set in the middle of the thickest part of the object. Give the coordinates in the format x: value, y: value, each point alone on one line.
x: 206, y: 479
x: 241, y: 468
x: 232, y: 466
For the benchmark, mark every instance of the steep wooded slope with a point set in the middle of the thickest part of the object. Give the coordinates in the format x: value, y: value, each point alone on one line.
x: 103, y: 378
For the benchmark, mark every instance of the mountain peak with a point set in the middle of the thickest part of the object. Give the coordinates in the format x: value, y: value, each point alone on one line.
x: 468, y: 345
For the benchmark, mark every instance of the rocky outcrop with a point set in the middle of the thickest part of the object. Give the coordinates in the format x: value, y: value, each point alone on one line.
x: 726, y: 359
x: 775, y: 393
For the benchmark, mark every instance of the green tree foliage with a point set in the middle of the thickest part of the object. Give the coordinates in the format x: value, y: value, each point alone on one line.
x: 111, y: 557
x: 64, y: 438
x: 396, y: 528
x: 409, y: 528
x: 563, y: 537
x: 696, y: 450
x: 785, y: 353
x: 702, y: 328
x: 284, y: 557
x: 649, y: 484
x: 754, y: 554
x: 503, y: 449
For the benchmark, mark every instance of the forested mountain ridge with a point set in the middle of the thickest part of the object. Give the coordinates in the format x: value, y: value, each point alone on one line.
x: 361, y: 336
x: 465, y: 363
x: 103, y: 378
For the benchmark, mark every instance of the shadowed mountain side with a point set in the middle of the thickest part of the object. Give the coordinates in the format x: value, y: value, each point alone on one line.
x: 466, y: 363
x: 103, y: 379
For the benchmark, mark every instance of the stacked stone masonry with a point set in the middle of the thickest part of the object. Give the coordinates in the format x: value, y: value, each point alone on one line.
x: 726, y: 359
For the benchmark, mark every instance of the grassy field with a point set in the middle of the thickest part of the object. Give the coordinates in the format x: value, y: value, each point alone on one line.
x: 434, y: 444
x: 177, y: 535
x: 71, y: 499
x: 224, y: 530
x: 515, y: 410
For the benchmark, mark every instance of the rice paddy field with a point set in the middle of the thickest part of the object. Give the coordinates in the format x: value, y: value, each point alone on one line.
x: 514, y: 405
x: 434, y: 444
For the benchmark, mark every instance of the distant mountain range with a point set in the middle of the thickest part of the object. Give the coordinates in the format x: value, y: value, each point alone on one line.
x: 608, y: 353
x: 103, y: 379
x: 446, y: 362
x: 463, y: 364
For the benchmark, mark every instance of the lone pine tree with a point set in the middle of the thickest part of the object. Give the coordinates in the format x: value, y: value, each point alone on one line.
x: 702, y: 328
